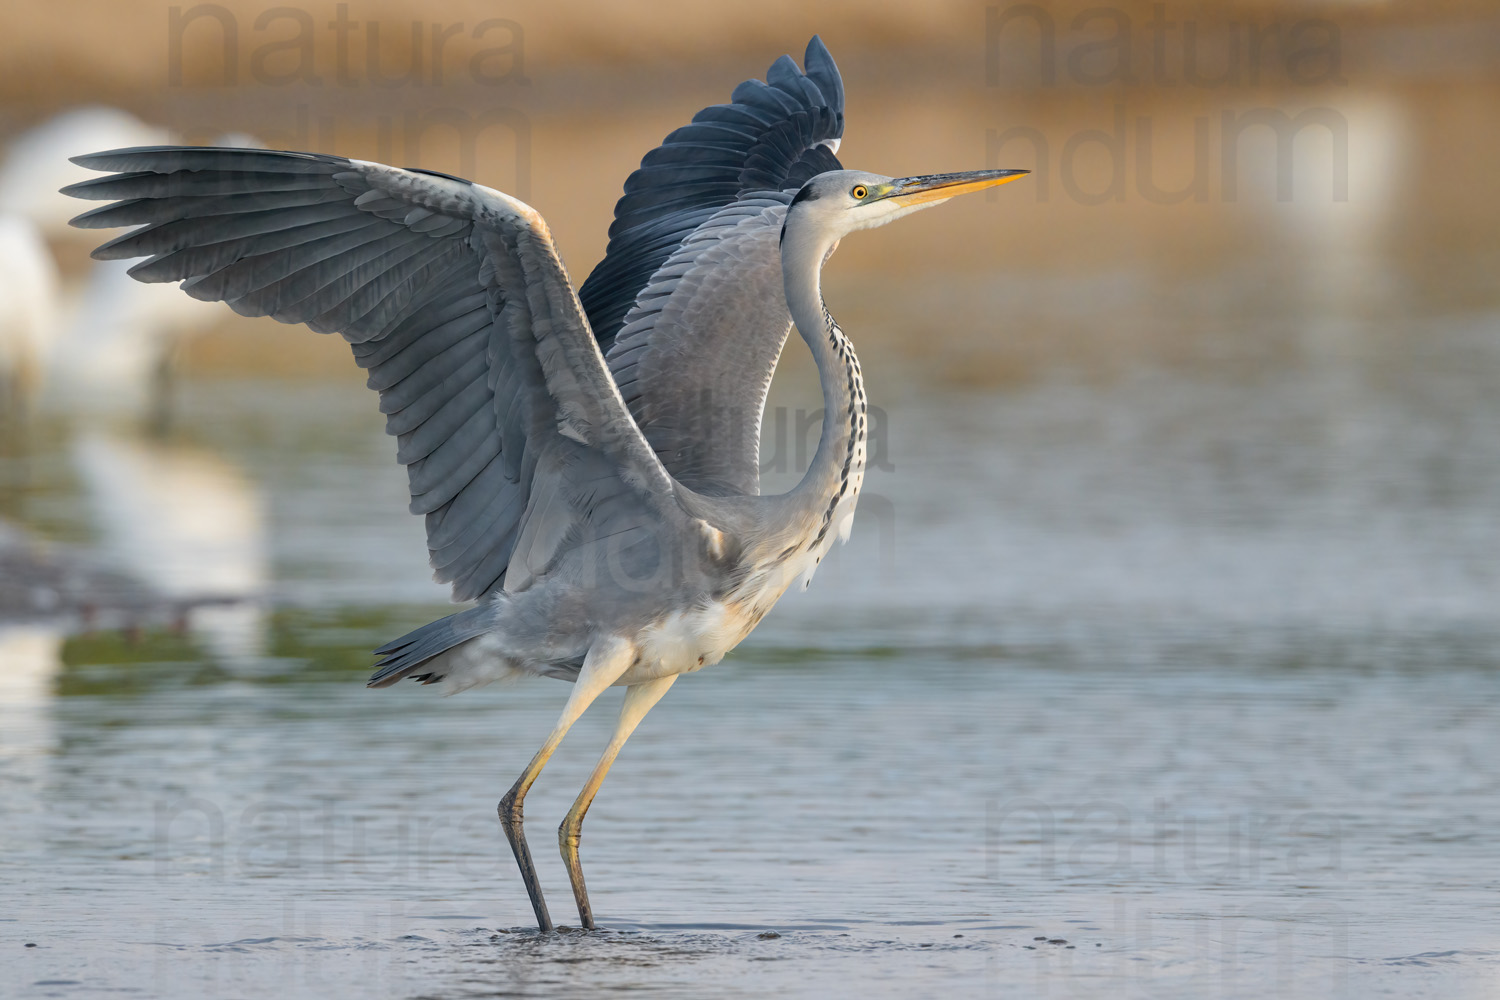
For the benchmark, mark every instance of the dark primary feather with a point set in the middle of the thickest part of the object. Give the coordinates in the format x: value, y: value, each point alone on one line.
x: 688, y: 303
x: 769, y: 138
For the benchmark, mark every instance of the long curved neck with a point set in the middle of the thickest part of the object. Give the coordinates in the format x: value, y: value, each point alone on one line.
x: 837, y: 470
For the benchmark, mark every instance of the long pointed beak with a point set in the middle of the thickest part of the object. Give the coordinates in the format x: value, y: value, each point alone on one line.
x: 940, y: 187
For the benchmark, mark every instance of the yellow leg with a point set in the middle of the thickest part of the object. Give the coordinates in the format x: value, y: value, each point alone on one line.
x: 606, y: 661
x: 639, y: 699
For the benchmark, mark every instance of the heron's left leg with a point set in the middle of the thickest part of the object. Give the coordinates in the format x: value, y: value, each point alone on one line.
x: 639, y: 699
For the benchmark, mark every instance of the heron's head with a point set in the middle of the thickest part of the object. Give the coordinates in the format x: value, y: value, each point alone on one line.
x: 838, y: 202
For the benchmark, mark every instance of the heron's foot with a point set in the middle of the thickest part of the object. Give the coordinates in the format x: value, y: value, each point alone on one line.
x: 567, y: 842
x: 511, y: 823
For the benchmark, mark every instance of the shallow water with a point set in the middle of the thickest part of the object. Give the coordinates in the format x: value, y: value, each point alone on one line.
x: 906, y: 822
x: 1164, y: 661
x: 1194, y: 670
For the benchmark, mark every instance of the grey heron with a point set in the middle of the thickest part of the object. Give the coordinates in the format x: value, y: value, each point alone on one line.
x: 587, y: 461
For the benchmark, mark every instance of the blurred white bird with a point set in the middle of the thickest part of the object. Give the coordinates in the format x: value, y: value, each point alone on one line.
x: 36, y: 162
x: 185, y: 523
x: 114, y: 353
x: 188, y: 524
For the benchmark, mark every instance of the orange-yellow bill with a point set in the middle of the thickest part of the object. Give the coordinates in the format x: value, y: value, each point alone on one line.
x: 940, y: 187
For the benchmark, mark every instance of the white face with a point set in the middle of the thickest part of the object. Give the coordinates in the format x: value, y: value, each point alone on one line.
x: 836, y: 203
x: 842, y: 201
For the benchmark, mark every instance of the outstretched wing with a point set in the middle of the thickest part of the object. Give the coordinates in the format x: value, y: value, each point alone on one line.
x: 688, y: 303
x: 455, y: 301
x: 772, y: 136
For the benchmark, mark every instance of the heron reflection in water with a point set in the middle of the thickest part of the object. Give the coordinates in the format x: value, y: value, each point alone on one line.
x: 558, y: 441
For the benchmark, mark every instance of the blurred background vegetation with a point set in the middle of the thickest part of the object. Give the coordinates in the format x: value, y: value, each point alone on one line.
x: 557, y: 102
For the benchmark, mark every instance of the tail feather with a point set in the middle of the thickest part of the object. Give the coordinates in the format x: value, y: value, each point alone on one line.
x: 405, y: 655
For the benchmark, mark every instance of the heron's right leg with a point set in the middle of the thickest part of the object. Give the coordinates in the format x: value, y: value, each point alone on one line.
x: 639, y: 699
x: 605, y: 662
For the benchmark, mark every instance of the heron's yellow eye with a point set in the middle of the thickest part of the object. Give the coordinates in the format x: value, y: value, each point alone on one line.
x: 859, y: 192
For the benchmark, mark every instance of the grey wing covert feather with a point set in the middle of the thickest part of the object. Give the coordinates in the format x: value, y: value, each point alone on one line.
x: 452, y: 298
